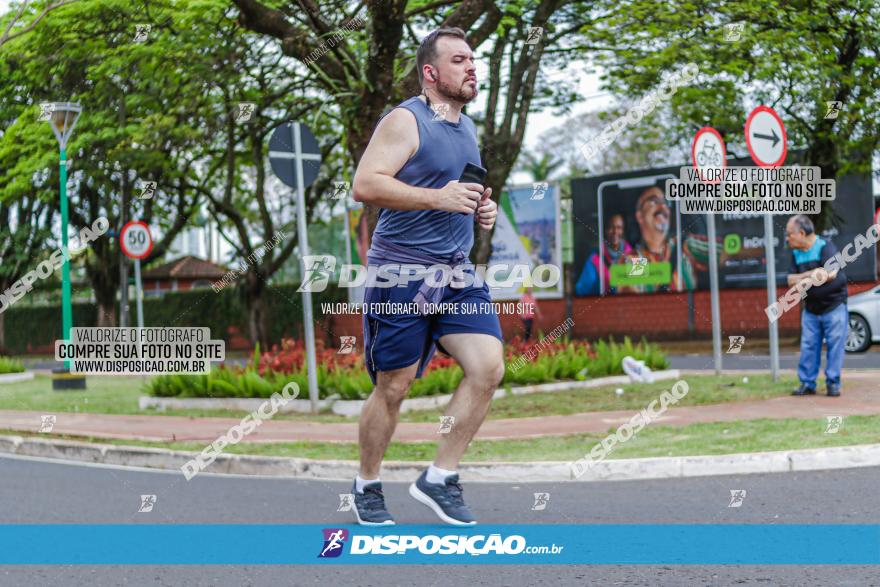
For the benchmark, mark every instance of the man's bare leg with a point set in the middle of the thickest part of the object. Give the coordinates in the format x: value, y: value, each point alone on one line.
x: 481, y: 357
x: 379, y: 417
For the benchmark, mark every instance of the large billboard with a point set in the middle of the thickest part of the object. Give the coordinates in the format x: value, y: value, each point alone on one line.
x: 638, y: 222
x: 527, y: 232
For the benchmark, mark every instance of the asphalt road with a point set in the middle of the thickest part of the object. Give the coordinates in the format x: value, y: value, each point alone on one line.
x: 869, y: 360
x: 54, y: 492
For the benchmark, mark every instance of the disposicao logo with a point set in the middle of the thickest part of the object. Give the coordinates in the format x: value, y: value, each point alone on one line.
x: 334, y: 540
x: 432, y: 544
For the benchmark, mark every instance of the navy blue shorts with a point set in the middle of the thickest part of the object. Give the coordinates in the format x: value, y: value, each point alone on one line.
x: 395, y: 340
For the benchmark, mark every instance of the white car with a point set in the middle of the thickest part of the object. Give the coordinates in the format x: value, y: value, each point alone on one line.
x: 864, y: 320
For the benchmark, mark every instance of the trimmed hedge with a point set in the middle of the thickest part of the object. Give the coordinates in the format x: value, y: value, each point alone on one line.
x: 29, y: 327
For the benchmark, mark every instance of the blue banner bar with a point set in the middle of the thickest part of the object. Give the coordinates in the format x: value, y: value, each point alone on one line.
x: 598, y: 544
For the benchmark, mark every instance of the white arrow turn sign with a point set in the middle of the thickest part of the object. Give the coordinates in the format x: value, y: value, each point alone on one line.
x: 766, y: 138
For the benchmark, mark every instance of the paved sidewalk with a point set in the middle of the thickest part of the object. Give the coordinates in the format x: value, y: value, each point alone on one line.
x: 860, y: 396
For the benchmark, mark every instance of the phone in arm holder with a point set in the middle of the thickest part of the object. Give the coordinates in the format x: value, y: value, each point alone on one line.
x: 473, y: 174
x: 470, y: 174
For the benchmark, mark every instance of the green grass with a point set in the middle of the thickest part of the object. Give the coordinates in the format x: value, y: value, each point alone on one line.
x: 9, y: 365
x: 652, y: 441
x: 702, y: 390
x: 106, y: 395
x: 119, y: 395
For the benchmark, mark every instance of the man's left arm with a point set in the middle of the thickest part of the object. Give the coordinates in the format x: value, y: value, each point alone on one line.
x: 795, y: 278
x: 828, y: 252
x: 487, y: 210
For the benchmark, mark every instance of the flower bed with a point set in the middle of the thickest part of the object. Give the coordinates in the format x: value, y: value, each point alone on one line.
x: 346, y: 376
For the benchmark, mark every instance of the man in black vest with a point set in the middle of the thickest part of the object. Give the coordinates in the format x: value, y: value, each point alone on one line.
x: 825, y: 314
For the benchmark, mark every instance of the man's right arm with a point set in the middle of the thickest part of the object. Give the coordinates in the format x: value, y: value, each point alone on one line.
x: 793, y: 277
x: 394, y: 141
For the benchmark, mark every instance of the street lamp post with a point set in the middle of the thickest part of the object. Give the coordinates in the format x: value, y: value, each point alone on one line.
x: 63, y: 117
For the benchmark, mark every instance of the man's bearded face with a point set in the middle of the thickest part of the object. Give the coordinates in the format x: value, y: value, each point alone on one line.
x: 456, y: 76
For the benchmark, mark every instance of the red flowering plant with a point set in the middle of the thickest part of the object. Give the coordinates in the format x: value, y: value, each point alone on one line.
x: 290, y: 357
x: 440, y: 360
x: 341, y: 374
x: 546, y: 359
x: 344, y: 375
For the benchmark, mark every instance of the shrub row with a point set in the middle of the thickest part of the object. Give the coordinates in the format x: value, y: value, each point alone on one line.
x: 8, y: 365
x: 346, y: 376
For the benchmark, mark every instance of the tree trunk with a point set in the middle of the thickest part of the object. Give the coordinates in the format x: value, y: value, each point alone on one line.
x: 105, y: 290
x: 106, y: 307
x: 495, y: 179
x: 822, y: 154
x: 106, y: 314
x: 257, y: 311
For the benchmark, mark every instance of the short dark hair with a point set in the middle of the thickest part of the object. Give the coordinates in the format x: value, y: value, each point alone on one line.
x: 427, y: 52
x: 803, y: 222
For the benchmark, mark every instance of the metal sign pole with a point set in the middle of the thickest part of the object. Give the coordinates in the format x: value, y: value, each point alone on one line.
x: 601, y: 239
x: 678, y: 285
x: 770, y: 256
x: 308, y: 324
x: 139, y: 292
x: 123, y: 290
x: 713, y: 287
x: 708, y: 152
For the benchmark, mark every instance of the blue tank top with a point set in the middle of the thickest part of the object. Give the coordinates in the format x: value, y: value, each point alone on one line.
x: 444, y: 149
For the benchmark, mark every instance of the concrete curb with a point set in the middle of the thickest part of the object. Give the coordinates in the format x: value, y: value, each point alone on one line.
x: 16, y: 377
x: 245, y: 404
x: 353, y: 407
x: 509, y: 472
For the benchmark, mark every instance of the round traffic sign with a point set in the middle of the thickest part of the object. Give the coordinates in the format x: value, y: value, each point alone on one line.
x: 283, y: 145
x: 136, y: 240
x: 766, y: 138
x: 708, y: 151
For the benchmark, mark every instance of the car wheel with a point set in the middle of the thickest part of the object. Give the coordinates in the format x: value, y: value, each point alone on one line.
x: 859, y: 338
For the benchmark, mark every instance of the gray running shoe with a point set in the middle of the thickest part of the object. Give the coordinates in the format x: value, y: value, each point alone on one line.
x: 369, y: 506
x: 444, y: 499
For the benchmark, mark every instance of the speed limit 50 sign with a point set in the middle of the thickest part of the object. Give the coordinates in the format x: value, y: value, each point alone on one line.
x: 136, y: 240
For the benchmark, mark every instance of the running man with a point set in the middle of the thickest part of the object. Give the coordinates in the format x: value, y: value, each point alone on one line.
x: 410, y: 170
x: 334, y: 542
